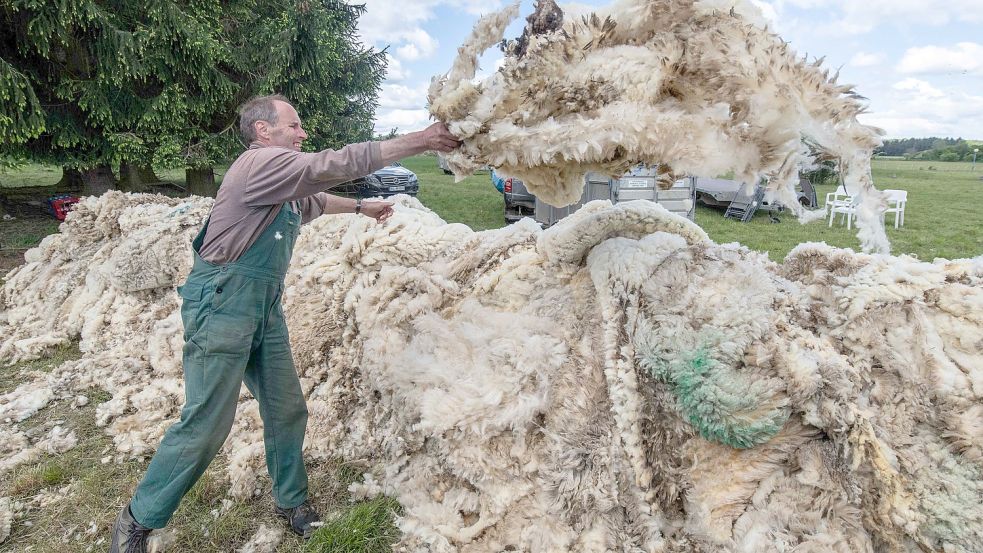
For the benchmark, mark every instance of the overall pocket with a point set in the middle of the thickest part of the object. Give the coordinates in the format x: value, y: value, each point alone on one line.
x: 234, y: 314
x: 192, y: 311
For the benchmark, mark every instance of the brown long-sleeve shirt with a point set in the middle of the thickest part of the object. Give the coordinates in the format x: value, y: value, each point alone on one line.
x: 262, y: 179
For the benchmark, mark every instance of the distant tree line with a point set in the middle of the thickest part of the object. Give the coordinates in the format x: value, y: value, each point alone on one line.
x: 110, y: 89
x: 935, y: 149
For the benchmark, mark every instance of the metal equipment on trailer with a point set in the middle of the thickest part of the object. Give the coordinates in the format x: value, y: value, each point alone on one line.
x: 640, y: 184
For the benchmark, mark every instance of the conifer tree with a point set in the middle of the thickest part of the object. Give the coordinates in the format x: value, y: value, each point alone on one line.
x: 97, y: 84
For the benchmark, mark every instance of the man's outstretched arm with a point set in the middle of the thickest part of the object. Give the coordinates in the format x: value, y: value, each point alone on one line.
x: 435, y: 137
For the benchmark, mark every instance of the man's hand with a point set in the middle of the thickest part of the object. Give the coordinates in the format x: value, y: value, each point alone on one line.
x: 437, y: 137
x: 378, y: 210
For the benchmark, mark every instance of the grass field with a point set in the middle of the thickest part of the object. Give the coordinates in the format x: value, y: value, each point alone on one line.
x: 39, y: 174
x: 943, y: 219
x: 30, y: 174
x: 473, y: 201
x: 202, y: 524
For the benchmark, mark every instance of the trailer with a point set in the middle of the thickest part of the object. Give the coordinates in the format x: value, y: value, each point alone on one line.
x: 640, y: 184
x: 720, y: 193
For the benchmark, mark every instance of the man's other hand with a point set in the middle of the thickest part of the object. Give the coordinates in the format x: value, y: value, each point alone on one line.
x: 437, y: 137
x: 378, y: 210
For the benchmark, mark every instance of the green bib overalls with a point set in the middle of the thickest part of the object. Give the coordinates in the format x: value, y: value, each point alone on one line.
x: 234, y: 331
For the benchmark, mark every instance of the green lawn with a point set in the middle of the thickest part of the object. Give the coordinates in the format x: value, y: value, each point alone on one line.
x: 942, y: 218
x: 25, y: 232
x: 474, y: 201
x: 30, y: 174
x: 39, y: 174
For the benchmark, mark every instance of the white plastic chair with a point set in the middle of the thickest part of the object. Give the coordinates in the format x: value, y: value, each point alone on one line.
x: 843, y: 203
x: 896, y: 200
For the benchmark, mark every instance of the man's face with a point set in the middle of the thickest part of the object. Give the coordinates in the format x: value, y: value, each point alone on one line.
x: 287, y: 132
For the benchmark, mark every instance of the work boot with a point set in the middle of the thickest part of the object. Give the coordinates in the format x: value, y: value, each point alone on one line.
x: 129, y: 536
x: 302, y: 518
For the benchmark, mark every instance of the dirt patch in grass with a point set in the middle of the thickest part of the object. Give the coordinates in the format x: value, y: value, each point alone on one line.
x: 82, y: 520
x: 21, y: 233
x: 11, y: 258
x: 73, y: 498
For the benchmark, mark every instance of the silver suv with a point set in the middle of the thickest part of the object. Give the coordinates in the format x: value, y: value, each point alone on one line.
x: 519, y: 202
x: 393, y: 179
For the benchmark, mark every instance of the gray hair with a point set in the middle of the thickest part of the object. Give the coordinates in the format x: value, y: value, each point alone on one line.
x: 260, y: 108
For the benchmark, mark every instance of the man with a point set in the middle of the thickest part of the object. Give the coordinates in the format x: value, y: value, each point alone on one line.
x: 234, y: 328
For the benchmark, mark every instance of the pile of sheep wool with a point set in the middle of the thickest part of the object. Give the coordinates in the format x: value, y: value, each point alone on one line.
x: 616, y: 382
x: 693, y: 87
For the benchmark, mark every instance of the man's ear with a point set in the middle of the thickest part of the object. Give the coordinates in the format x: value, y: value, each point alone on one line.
x: 262, y: 129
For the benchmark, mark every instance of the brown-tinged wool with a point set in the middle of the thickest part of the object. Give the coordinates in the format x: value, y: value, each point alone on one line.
x: 696, y: 87
x: 617, y: 382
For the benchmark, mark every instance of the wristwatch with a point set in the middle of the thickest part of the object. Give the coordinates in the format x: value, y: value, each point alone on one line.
x: 358, y: 206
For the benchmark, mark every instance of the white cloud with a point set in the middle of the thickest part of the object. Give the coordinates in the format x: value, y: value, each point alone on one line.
x: 397, y: 96
x: 899, y: 125
x: 381, y: 23
x: 965, y: 57
x: 869, y: 13
x: 497, y: 64
x: 478, y: 7
x: 855, y: 17
x: 395, y: 71
x: 810, y: 4
x: 576, y: 9
x: 402, y: 26
x: 865, y: 59
x: 919, y: 108
x: 768, y: 12
x: 922, y: 88
x: 409, y: 52
x: 420, y: 45
x: 405, y: 120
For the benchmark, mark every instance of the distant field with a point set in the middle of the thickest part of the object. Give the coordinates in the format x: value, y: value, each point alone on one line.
x: 942, y: 219
x: 39, y: 174
x: 943, y: 216
x: 30, y: 174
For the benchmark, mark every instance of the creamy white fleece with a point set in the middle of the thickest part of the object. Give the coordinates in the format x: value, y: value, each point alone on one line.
x: 616, y: 382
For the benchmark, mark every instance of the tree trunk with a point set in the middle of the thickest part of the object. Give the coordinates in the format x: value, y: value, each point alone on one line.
x: 98, y: 180
x: 71, y: 180
x: 201, y: 182
x: 134, y: 177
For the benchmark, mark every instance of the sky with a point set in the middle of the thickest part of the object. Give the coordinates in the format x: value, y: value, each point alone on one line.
x: 919, y: 62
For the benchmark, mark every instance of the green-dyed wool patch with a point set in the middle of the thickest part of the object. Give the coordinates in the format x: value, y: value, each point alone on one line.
x: 723, y: 404
x: 950, y: 493
x: 365, y: 528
